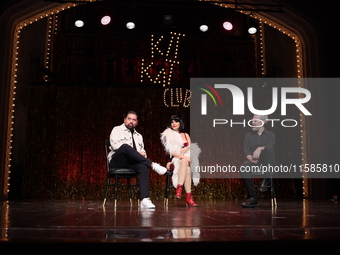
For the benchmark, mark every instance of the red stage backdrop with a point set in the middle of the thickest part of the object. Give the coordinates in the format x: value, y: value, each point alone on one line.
x: 65, y: 142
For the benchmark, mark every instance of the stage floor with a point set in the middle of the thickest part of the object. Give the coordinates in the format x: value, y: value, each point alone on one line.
x: 293, y: 222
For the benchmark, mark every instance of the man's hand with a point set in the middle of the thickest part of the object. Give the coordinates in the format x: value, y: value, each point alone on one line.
x: 252, y: 160
x: 257, y: 152
x: 142, y: 153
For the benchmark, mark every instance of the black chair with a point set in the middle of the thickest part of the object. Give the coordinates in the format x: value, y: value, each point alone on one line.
x: 168, y: 185
x: 119, y: 173
x: 272, y: 190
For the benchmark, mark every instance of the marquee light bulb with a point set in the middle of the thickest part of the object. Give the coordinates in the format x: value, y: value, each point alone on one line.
x: 79, y: 23
x: 105, y: 20
x: 252, y: 30
x: 204, y: 28
x: 130, y: 25
x: 227, y: 26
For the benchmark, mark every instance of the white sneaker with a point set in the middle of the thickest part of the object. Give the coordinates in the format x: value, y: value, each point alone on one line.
x: 159, y: 169
x: 146, y: 204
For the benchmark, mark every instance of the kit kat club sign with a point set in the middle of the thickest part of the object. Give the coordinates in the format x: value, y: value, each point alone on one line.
x: 159, y: 68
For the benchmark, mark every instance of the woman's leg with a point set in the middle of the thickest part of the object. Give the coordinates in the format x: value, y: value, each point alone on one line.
x: 182, y: 171
x: 187, y: 185
x: 181, y: 177
x: 187, y: 181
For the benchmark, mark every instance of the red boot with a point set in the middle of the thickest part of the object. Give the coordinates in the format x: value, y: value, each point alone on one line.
x: 190, y: 200
x: 179, y: 191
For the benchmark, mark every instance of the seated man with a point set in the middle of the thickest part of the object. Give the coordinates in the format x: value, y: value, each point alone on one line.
x: 127, y: 151
x: 259, y: 149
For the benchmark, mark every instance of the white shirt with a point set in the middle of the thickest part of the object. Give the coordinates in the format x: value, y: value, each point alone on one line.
x: 122, y: 135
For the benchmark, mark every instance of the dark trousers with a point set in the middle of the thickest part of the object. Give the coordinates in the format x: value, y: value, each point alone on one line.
x: 267, y: 157
x: 127, y: 157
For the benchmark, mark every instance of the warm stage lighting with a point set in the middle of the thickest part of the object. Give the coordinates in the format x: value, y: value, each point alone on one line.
x: 227, y: 26
x: 79, y: 23
x: 105, y: 20
x: 130, y: 25
x: 204, y: 28
x: 252, y: 30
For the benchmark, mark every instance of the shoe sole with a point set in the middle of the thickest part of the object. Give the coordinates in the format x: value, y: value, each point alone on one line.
x: 250, y: 206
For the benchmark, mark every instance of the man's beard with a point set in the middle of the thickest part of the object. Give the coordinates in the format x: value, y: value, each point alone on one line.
x: 256, y: 128
x: 130, y: 126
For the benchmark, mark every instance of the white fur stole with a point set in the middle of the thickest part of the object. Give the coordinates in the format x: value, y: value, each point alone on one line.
x: 172, y: 142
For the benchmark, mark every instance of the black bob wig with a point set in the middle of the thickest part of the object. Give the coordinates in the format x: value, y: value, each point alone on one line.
x: 177, y: 118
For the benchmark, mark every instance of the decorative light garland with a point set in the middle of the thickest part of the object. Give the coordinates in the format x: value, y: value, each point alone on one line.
x: 262, y: 50
x: 48, y: 45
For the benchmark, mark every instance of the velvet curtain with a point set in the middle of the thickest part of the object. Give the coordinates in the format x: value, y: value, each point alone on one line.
x: 67, y: 127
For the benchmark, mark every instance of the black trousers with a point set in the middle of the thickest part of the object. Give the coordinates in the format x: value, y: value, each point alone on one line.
x: 267, y: 157
x: 128, y: 157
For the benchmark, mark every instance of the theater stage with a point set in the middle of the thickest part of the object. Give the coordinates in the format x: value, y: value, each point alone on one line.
x: 215, y: 224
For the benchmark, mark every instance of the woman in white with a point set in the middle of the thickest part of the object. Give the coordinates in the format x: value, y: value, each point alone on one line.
x: 178, y: 145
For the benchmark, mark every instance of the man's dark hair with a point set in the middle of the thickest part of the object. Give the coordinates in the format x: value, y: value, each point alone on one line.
x: 131, y: 112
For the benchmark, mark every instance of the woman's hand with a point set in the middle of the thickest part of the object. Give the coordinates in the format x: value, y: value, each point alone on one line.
x: 184, y: 150
x: 187, y: 158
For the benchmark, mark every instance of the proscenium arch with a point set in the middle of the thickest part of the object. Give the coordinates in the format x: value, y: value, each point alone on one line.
x: 28, y: 15
x: 298, y: 34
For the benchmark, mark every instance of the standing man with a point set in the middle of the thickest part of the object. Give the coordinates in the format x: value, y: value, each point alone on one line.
x: 127, y: 150
x: 259, y: 149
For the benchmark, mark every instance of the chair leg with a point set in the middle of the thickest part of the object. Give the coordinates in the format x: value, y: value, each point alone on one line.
x: 107, y: 191
x: 138, y: 190
x: 272, y: 193
x: 167, y: 190
x: 129, y: 190
x: 116, y: 185
x: 116, y: 189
